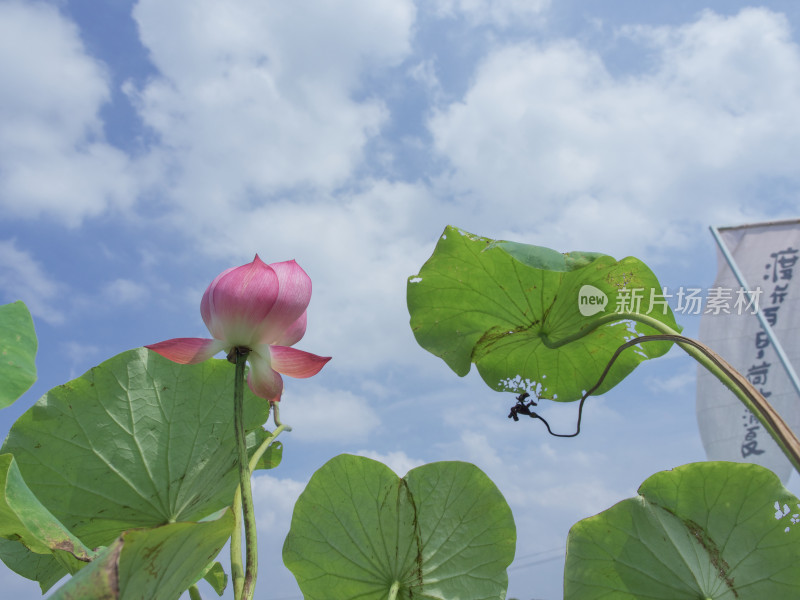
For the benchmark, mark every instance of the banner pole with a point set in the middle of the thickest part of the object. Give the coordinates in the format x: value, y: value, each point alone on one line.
x: 760, y: 315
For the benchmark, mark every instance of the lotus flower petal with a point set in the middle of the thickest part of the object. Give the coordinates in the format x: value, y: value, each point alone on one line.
x: 294, y: 333
x: 236, y: 305
x: 296, y: 363
x: 293, y: 297
x: 187, y: 351
x: 263, y: 380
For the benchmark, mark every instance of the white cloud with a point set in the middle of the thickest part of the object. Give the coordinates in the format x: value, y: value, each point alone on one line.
x: 256, y: 97
x: 586, y: 496
x: 397, y: 461
x: 275, y: 499
x: 78, y: 356
x: 477, y: 448
x: 319, y: 415
x: 125, y: 291
x: 424, y: 72
x: 677, y: 382
x: 23, y: 278
x: 497, y: 12
x: 540, y: 477
x: 53, y: 158
x: 584, y: 159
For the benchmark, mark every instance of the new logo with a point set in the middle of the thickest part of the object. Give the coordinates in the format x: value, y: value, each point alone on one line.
x: 591, y: 300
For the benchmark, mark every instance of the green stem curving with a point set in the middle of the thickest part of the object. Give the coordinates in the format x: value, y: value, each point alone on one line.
x: 265, y: 445
x: 717, y: 366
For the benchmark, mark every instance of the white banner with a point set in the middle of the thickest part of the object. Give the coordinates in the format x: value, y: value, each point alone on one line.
x: 768, y: 256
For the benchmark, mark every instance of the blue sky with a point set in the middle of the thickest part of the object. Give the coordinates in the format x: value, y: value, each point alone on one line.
x: 146, y: 146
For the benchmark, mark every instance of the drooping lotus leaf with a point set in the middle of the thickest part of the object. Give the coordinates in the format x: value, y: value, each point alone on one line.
x: 360, y: 531
x: 712, y: 530
x: 157, y: 563
x: 23, y: 519
x: 138, y: 441
x: 272, y: 455
x: 507, y: 306
x: 42, y: 568
x: 17, y: 352
x: 217, y: 578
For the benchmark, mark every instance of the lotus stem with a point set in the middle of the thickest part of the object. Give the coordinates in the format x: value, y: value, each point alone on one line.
x: 248, y: 582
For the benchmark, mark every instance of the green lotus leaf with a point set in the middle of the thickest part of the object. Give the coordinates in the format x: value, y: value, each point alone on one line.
x: 360, y: 531
x: 217, y: 578
x: 272, y: 455
x: 138, y: 441
x: 507, y: 306
x: 24, y: 519
x: 157, y: 563
x: 42, y: 568
x: 17, y: 352
x: 709, y: 531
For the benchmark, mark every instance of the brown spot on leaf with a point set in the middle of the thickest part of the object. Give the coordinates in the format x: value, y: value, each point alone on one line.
x: 721, y: 567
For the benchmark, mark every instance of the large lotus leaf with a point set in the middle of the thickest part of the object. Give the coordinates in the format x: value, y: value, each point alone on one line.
x: 157, y: 563
x: 359, y: 531
x: 505, y: 306
x: 705, y: 530
x: 138, y: 441
x: 24, y: 519
x: 17, y: 352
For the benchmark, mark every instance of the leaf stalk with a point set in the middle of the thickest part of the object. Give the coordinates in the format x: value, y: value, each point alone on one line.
x: 716, y: 365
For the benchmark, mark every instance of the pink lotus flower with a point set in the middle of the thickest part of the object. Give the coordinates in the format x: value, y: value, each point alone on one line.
x: 257, y: 306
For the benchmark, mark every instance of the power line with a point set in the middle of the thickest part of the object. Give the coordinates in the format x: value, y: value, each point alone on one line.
x: 522, y: 562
